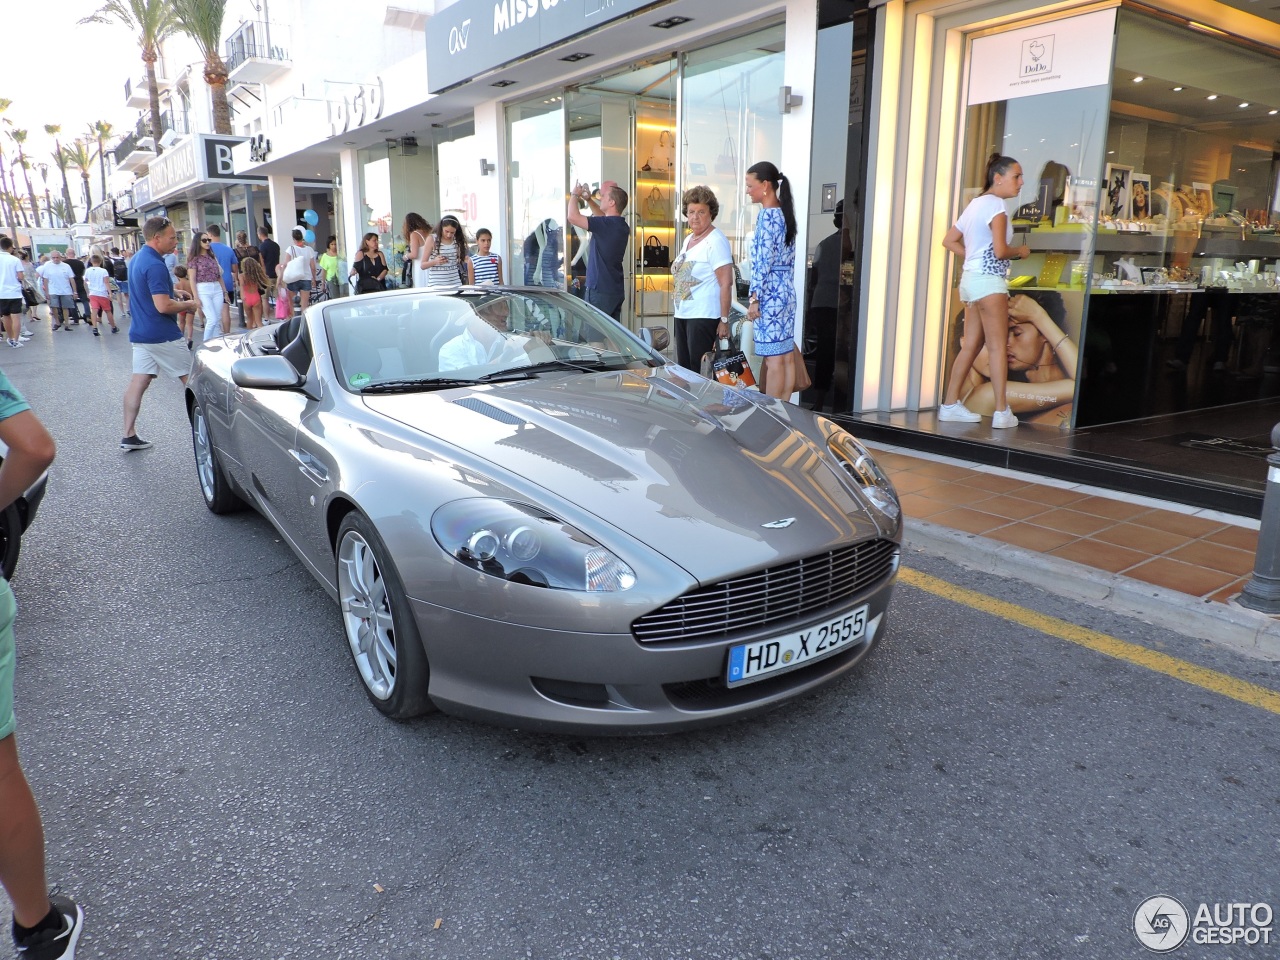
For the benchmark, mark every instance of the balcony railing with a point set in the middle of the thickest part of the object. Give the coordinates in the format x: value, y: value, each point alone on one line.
x: 142, y: 131
x: 257, y: 40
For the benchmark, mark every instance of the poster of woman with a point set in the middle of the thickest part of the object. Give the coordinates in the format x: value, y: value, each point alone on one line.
x: 1042, y: 359
x: 1118, y: 205
x: 1140, y: 194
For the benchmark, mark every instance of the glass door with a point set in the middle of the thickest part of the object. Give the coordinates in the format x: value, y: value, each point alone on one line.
x: 538, y: 192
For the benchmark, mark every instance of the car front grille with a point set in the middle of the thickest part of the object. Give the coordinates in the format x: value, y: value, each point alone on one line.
x: 788, y: 592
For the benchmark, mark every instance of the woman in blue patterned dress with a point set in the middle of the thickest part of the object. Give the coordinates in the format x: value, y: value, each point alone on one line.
x: 773, y: 291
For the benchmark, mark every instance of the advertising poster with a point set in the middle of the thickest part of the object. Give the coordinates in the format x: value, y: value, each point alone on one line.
x: 1041, y: 353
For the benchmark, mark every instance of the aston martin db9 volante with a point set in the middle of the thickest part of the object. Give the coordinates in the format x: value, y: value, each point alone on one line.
x: 528, y: 516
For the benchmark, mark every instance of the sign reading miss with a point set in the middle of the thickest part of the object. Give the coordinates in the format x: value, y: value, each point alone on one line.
x: 471, y: 37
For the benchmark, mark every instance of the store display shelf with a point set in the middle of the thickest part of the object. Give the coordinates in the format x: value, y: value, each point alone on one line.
x: 1041, y: 241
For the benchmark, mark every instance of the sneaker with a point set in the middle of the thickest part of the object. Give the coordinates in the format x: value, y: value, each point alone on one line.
x: 59, y: 944
x: 115, y: 329
x: 96, y: 333
x: 1002, y: 419
x: 134, y: 443
x: 24, y: 337
x: 57, y: 326
x: 957, y: 413
x: 67, y: 326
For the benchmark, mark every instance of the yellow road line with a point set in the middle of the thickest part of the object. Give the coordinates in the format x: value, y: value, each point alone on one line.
x: 1212, y: 680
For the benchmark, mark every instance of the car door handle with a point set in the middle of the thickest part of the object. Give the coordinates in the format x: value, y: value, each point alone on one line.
x: 310, y: 468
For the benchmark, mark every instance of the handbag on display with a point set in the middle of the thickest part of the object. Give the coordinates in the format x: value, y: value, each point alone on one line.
x: 727, y: 162
x: 655, y: 205
x: 655, y: 253
x: 728, y: 365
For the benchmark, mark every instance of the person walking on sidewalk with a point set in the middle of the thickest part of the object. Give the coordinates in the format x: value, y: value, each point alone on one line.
x: 983, y: 237
x: 609, y: 236
x: 157, y: 340
x: 59, y: 290
x: 120, y: 273
x: 230, y: 265
x: 484, y: 267
x: 44, y: 926
x: 299, y: 264
x: 96, y: 279
x: 205, y: 272
x: 11, y: 294
x: 81, y: 294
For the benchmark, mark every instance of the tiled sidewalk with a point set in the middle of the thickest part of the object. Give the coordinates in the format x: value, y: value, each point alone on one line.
x: 1197, y: 552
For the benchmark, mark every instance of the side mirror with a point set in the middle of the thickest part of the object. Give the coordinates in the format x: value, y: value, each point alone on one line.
x: 265, y: 373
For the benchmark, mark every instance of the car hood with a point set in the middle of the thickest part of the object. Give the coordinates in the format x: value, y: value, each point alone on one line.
x: 714, y: 479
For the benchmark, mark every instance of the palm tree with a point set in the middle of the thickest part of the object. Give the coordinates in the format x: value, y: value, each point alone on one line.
x: 19, y: 137
x: 154, y: 23
x: 78, y: 156
x: 10, y: 214
x: 64, y: 212
x: 201, y: 20
x: 100, y: 131
x: 60, y: 158
x: 44, y: 178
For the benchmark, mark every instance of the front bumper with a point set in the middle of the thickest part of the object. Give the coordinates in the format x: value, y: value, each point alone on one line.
x: 599, y: 684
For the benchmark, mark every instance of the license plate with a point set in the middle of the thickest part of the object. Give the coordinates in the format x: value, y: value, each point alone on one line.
x: 754, y: 661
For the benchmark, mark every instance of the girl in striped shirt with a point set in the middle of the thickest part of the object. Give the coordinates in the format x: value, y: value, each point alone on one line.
x: 483, y: 267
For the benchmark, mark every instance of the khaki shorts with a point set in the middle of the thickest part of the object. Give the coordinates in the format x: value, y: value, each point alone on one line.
x: 171, y: 358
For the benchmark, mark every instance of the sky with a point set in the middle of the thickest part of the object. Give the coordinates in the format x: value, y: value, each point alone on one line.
x: 62, y: 72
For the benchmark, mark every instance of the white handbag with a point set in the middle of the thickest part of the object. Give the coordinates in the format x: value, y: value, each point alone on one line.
x: 296, y: 269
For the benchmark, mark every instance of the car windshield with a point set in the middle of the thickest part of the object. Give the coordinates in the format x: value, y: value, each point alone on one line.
x: 429, y: 340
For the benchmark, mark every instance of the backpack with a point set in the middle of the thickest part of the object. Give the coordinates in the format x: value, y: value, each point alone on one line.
x: 120, y: 269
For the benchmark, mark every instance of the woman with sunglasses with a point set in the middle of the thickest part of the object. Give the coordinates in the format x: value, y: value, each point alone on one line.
x: 444, y: 254
x: 205, y: 272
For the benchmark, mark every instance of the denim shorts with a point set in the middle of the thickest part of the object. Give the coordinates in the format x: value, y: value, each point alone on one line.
x: 975, y: 286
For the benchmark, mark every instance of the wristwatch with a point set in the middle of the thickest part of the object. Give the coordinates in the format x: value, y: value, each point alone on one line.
x: 724, y: 319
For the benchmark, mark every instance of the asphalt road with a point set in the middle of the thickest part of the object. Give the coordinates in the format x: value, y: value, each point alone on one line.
x: 215, y: 784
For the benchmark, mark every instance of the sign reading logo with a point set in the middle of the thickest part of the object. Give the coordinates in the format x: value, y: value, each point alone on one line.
x: 1161, y: 924
x: 458, y: 36
x: 357, y: 109
x: 1037, y: 56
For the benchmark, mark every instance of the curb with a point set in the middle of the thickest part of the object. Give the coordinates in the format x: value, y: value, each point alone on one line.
x: 1245, y: 631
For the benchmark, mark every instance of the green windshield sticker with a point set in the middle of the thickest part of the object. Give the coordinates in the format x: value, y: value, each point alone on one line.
x: 359, y: 379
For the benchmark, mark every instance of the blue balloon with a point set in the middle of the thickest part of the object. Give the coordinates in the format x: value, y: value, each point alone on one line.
x: 309, y: 236
x: 311, y: 217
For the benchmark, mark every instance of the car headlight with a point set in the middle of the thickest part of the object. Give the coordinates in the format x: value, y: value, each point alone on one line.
x: 862, y: 468
x: 522, y: 544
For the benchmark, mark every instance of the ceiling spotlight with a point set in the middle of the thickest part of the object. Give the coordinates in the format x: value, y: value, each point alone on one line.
x: 503, y: 83
x: 670, y: 22
x: 1212, y: 96
x: 575, y: 57
x: 1272, y: 113
x: 1138, y: 79
x: 1177, y: 89
x: 384, y: 129
x: 1243, y: 105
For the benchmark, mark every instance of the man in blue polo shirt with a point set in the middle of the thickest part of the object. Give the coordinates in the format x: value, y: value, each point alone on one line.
x: 230, y: 265
x: 609, y: 236
x: 154, y: 331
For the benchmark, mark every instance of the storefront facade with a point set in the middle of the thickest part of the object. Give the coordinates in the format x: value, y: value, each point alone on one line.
x: 1148, y: 139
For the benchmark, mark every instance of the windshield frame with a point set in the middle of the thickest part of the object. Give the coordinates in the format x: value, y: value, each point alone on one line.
x: 549, y: 330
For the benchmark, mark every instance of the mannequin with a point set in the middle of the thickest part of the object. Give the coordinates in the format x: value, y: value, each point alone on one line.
x: 542, y: 255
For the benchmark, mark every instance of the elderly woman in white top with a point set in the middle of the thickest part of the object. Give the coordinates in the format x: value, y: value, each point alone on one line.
x: 702, y: 277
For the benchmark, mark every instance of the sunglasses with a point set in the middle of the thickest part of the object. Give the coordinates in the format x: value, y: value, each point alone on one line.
x: 204, y: 239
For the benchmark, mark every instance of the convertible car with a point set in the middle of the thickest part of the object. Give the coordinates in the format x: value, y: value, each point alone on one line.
x: 528, y: 516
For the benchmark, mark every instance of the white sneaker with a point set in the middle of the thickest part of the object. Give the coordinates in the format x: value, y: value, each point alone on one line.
x: 1002, y: 419
x: 958, y: 413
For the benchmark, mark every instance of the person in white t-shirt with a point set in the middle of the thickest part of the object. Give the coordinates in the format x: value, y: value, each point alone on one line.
x: 703, y: 279
x: 983, y: 236
x: 11, y: 293
x: 95, y: 279
x: 58, y: 281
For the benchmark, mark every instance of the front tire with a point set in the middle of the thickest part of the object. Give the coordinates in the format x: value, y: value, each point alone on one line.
x: 381, y: 633
x: 214, y: 486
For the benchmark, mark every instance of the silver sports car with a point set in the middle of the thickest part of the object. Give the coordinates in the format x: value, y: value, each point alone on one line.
x: 528, y: 516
